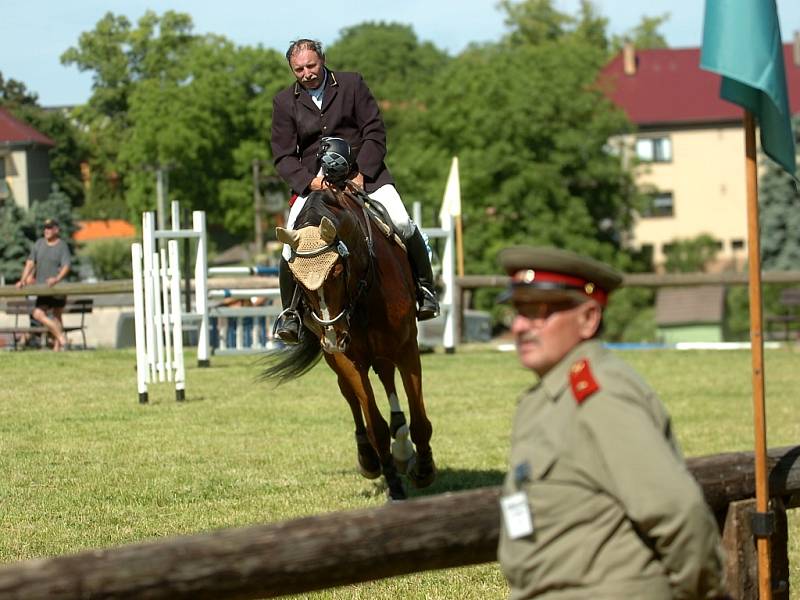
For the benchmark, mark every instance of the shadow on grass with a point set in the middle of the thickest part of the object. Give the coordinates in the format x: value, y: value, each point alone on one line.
x: 447, y: 480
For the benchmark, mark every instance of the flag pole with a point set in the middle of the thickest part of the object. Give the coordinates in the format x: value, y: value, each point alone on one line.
x: 757, y: 358
x: 459, y: 245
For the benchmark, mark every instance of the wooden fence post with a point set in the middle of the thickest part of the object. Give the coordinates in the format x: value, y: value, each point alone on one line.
x: 741, y: 561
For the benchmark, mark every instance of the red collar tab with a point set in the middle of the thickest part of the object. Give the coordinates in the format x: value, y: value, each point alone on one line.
x: 582, y: 381
x: 553, y: 280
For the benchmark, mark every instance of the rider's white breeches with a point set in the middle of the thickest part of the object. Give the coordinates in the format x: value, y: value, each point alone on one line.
x: 387, y: 195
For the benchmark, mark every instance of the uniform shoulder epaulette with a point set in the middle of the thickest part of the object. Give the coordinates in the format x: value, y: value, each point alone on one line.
x: 582, y: 381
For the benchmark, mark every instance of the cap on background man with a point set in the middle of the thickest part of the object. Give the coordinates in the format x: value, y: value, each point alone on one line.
x: 597, y: 502
x: 50, y: 223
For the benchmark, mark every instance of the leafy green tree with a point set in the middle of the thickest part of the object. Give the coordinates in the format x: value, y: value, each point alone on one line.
x: 645, y: 35
x: 14, y: 93
x: 690, y: 255
x: 165, y: 98
x: 779, y: 200
x: 110, y: 259
x: 16, y: 233
x: 395, y: 64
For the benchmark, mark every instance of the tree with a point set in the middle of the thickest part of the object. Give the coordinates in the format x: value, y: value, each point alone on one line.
x: 14, y: 93
x: 690, y: 255
x: 167, y: 98
x: 395, y: 64
x: 779, y: 201
x: 644, y: 36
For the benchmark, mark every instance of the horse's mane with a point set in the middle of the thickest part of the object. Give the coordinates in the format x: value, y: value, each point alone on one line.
x: 318, y: 204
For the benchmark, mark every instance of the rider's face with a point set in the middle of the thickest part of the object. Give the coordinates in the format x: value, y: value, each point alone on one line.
x: 307, y: 68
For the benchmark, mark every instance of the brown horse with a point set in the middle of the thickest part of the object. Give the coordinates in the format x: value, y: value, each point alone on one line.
x: 358, y: 307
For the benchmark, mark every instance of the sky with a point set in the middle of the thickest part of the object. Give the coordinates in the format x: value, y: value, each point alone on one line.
x: 34, y: 33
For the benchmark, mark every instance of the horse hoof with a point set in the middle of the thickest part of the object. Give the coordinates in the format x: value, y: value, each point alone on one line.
x: 369, y: 465
x: 395, y: 491
x: 422, y: 471
x: 366, y: 473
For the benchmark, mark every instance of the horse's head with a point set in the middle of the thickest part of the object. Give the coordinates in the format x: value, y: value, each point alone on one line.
x: 331, y: 278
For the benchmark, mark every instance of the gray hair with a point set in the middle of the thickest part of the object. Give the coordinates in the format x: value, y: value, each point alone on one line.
x: 305, y: 44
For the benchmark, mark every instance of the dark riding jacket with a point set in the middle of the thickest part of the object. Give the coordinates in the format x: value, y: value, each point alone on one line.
x: 349, y: 111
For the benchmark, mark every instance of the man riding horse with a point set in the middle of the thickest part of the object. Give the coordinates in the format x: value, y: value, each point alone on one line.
x: 325, y: 104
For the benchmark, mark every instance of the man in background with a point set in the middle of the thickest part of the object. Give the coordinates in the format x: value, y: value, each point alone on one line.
x: 48, y: 264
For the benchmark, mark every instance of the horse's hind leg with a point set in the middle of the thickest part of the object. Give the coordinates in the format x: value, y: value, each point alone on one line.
x: 402, y: 449
x: 423, y: 471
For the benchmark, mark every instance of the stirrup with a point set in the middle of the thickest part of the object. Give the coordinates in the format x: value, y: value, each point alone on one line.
x: 428, y: 304
x: 287, y: 326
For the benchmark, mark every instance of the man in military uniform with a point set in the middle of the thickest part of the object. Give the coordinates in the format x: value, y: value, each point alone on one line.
x: 598, y: 502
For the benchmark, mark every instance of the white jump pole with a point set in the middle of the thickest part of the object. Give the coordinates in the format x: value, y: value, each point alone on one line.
x: 201, y: 287
x: 148, y: 248
x: 177, y: 320
x: 138, y: 321
x: 157, y: 316
x: 166, y: 319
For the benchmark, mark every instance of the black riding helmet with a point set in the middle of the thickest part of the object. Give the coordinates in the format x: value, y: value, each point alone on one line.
x: 335, y: 158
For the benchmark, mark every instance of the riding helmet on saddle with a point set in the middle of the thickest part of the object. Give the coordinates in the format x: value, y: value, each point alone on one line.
x: 337, y: 163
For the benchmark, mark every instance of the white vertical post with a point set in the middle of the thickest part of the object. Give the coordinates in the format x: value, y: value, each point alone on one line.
x: 165, y: 313
x: 449, y: 280
x: 157, y: 316
x: 148, y: 247
x: 175, y: 213
x: 138, y: 322
x: 177, y: 320
x: 201, y: 287
x: 239, y: 333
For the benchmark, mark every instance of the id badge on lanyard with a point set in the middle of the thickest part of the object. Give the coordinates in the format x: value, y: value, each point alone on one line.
x: 515, y: 508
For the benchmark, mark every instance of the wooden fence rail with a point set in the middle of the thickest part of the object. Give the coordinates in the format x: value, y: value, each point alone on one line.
x: 436, y: 532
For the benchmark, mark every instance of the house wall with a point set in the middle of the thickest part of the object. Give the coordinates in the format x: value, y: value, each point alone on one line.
x: 16, y: 177
x: 690, y: 333
x: 707, y: 180
x: 38, y: 174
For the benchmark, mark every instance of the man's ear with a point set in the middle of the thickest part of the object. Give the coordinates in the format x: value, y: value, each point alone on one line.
x: 589, y: 319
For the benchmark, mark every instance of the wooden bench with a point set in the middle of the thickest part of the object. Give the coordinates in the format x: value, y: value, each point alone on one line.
x: 22, y: 308
x: 790, y: 303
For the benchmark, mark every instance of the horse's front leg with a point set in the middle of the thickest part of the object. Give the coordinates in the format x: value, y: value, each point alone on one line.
x: 369, y: 465
x: 423, y: 472
x: 402, y: 449
x: 357, y: 380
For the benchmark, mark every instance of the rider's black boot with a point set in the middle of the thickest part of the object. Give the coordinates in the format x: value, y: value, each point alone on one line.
x: 421, y: 267
x: 288, y: 326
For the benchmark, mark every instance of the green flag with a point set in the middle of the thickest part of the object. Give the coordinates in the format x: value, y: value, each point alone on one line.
x: 742, y: 42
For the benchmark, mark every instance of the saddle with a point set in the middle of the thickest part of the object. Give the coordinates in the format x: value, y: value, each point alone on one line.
x: 377, y: 214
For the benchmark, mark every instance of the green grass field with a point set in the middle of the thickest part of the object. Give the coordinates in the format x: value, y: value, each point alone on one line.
x: 84, y: 465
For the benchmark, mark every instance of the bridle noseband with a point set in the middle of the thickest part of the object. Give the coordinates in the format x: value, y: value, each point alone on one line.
x: 342, y: 250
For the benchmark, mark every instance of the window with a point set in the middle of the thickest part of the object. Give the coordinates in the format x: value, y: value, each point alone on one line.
x: 654, y: 149
x: 737, y: 244
x: 659, y: 204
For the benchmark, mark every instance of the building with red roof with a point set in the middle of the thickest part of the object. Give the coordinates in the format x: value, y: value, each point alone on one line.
x: 24, y: 161
x: 689, y: 144
x: 103, y: 229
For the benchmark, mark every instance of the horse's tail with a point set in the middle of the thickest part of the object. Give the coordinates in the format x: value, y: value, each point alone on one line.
x: 293, y: 361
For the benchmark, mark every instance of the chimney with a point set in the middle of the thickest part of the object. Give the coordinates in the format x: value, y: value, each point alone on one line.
x: 796, y: 49
x: 629, y: 59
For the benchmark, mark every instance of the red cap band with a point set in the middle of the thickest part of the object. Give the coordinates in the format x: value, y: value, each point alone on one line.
x: 533, y: 277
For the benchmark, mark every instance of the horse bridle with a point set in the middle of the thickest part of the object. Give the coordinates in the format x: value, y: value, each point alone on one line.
x: 341, y: 249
